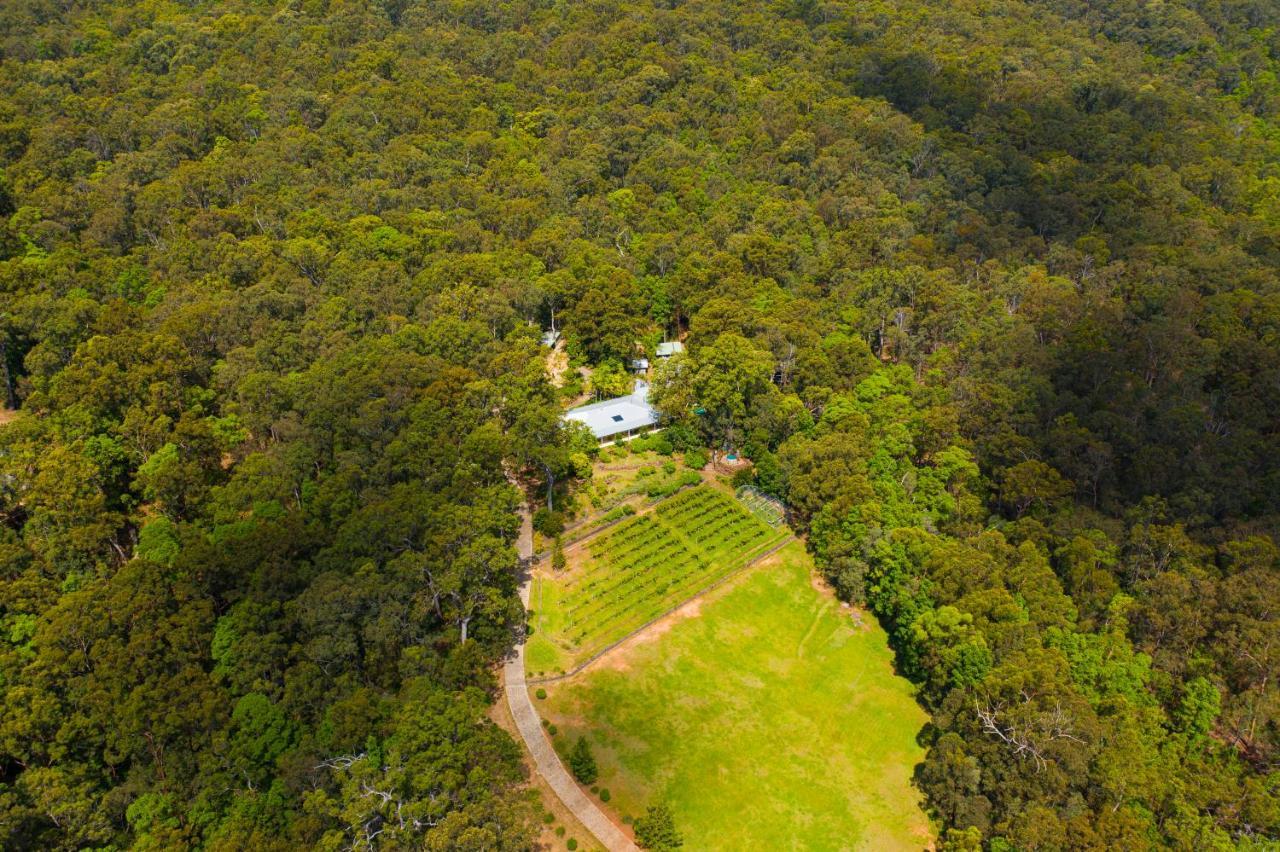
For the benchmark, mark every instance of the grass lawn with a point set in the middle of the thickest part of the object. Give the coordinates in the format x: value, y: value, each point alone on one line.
x: 771, y: 720
x: 637, y: 570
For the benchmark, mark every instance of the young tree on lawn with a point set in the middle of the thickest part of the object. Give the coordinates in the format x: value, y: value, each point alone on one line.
x: 656, y: 830
x: 582, y: 763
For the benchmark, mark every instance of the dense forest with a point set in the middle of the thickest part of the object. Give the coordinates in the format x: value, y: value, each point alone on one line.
x: 989, y: 292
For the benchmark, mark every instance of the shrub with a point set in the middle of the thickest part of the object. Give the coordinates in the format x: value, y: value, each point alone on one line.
x: 552, y: 730
x: 541, y: 693
x: 558, y: 560
x: 661, y: 445
x: 666, y: 489
x: 582, y: 762
x: 571, y: 845
x: 619, y: 513
x: 668, y: 468
x: 548, y: 817
x: 547, y: 522
x: 605, y: 795
x: 572, y: 387
x: 594, y: 789
x: 695, y: 459
x: 559, y: 831
x: 545, y: 723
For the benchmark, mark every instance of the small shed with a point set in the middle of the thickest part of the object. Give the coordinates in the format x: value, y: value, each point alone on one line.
x: 669, y: 348
x: 550, y: 338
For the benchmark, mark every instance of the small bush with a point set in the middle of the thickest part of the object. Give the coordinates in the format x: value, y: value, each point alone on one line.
x: 661, y: 445
x: 548, y: 817
x: 545, y: 723
x: 552, y: 730
x: 656, y: 490
x: 594, y: 789
x: 571, y: 845
x: 605, y: 795
x: 541, y: 693
x: 645, y: 472
x: 619, y: 513
x: 547, y: 522
x: 695, y: 459
x: 668, y: 468
x: 559, y: 831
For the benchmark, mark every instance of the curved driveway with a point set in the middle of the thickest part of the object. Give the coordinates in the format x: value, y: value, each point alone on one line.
x: 526, y: 717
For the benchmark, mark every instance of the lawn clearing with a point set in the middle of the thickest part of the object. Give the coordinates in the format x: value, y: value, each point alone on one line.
x: 634, y: 572
x: 770, y: 720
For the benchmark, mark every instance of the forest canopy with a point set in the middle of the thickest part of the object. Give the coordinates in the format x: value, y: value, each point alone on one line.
x: 987, y: 292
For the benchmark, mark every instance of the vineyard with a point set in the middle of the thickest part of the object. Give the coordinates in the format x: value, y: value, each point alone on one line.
x: 638, y: 570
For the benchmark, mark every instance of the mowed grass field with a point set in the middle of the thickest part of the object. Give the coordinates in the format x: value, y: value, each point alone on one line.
x: 768, y: 719
x: 626, y: 576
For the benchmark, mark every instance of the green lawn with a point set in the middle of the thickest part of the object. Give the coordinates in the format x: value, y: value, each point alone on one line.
x: 768, y: 721
x: 637, y: 570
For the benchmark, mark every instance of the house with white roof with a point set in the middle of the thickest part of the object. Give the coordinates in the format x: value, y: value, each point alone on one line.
x: 619, y: 418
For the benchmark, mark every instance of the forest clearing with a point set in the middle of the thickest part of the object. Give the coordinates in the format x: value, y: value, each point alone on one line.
x: 767, y: 718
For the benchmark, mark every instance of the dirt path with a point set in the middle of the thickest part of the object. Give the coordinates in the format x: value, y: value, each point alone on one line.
x: 557, y: 364
x: 530, y: 726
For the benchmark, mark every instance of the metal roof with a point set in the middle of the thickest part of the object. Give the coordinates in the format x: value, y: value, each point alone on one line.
x: 615, y: 416
x: 666, y: 350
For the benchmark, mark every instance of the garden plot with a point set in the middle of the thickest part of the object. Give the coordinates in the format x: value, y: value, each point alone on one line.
x: 766, y: 508
x: 624, y: 578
